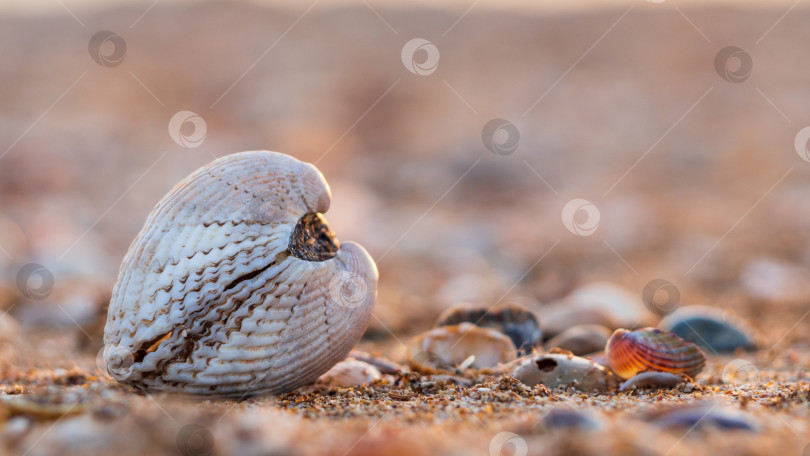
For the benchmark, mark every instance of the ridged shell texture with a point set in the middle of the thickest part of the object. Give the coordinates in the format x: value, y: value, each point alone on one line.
x: 650, y: 349
x: 235, y: 286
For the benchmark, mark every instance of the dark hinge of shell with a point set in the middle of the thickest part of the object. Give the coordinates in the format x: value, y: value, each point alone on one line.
x: 312, y: 240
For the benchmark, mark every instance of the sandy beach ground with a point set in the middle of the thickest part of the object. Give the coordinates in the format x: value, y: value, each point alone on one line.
x: 680, y: 122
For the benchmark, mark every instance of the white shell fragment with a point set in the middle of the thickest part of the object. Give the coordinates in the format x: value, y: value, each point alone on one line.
x: 236, y: 286
x: 350, y: 373
x: 561, y: 370
x: 463, y: 346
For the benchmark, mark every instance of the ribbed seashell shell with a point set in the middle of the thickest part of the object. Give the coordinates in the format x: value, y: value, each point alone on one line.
x: 650, y: 349
x: 221, y: 294
x: 460, y: 346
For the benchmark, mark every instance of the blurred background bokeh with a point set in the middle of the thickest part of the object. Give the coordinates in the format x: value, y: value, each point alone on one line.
x: 692, y: 165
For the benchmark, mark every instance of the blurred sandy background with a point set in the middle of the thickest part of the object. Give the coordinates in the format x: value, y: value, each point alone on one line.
x: 621, y: 105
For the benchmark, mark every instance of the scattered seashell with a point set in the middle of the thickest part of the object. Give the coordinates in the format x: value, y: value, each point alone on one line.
x: 598, y: 303
x: 581, y: 339
x: 704, y: 416
x: 517, y: 322
x: 10, y: 331
x: 652, y: 380
x: 16, y: 429
x: 565, y: 418
x: 401, y: 395
x: 53, y: 403
x: 559, y: 318
x: 350, y: 373
x: 560, y: 370
x: 446, y: 347
x: 237, y: 286
x: 650, y: 349
x: 771, y: 279
x: 709, y: 328
x: 384, y: 365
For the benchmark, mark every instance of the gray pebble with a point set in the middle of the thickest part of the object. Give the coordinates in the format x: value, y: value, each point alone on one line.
x: 562, y: 418
x: 707, y: 328
x: 706, y: 416
x: 581, y: 339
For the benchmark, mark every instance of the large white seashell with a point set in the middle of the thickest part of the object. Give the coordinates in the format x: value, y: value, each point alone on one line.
x: 236, y: 286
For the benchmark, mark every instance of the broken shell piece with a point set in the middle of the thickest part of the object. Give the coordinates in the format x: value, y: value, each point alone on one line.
x: 448, y: 347
x: 559, y: 370
x: 650, y: 349
x: 53, y: 403
x: 652, y: 380
x: 517, y: 322
x: 384, y: 365
x: 350, y: 373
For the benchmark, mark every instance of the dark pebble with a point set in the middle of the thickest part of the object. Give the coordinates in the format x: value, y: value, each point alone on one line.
x: 711, y: 332
x: 560, y: 418
x: 517, y: 322
x: 704, y: 417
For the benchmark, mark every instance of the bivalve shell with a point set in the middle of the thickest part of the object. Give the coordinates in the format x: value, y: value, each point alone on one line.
x: 448, y: 348
x: 650, y: 349
x: 236, y: 285
x: 517, y: 322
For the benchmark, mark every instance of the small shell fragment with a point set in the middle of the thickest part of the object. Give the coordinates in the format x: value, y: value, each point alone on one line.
x: 564, y: 370
x: 446, y: 348
x: 652, y: 380
x: 517, y: 322
x: 650, y: 349
x: 350, y: 373
x: 384, y: 365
